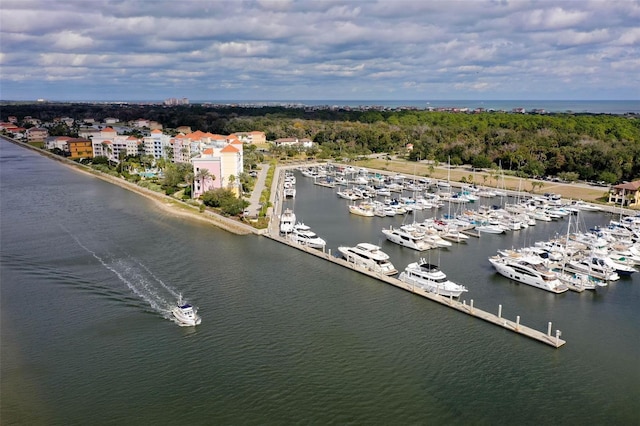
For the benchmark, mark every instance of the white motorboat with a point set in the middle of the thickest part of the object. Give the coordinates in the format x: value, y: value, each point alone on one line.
x: 489, y: 228
x: 287, y: 221
x: 528, y: 270
x: 580, y: 280
x: 368, y: 256
x: 430, y: 278
x: 407, y: 236
x: 290, y: 192
x: 303, y: 235
x: 606, y: 264
x: 185, y: 314
x: 584, y: 206
x: 362, y: 209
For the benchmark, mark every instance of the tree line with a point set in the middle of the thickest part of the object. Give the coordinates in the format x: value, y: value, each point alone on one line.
x: 599, y: 147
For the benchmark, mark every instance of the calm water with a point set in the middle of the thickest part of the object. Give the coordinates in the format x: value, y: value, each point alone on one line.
x: 88, y: 271
x: 591, y: 106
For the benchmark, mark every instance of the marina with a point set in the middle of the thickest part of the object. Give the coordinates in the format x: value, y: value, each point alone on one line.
x: 539, y: 276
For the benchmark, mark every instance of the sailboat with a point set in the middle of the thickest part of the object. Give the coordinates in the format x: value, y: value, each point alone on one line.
x: 580, y: 280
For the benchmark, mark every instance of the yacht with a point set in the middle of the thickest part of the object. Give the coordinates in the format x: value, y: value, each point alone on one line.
x: 368, y: 256
x: 290, y: 192
x: 407, y: 236
x: 429, y: 277
x: 362, y: 209
x: 287, y: 221
x: 580, y: 280
x: 528, y: 270
x: 185, y: 314
x: 600, y: 267
x: 303, y: 235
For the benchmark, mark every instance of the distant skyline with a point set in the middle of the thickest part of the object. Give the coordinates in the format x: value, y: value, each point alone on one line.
x: 305, y: 50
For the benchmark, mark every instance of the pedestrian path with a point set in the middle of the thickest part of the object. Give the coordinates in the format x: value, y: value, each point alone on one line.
x: 254, y: 199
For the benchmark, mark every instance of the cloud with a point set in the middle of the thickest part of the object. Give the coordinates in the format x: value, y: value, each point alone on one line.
x: 401, y: 49
x: 68, y: 40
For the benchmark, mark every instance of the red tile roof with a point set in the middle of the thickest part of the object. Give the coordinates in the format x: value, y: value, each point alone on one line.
x: 629, y: 186
x: 229, y: 148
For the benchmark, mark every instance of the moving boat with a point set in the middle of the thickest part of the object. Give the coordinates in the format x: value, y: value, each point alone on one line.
x: 429, y: 277
x: 407, y: 236
x: 303, y: 235
x: 185, y: 314
x: 287, y: 221
x: 368, y: 256
x: 528, y: 270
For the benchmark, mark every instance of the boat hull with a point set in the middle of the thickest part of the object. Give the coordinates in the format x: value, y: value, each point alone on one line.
x: 508, y: 271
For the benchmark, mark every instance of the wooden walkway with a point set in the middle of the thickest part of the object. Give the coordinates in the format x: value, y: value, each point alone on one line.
x: 514, y: 326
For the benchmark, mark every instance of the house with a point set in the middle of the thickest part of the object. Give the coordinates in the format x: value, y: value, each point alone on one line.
x: 184, y: 129
x: 88, y: 132
x: 110, y: 120
x: 59, y: 142
x: 37, y: 134
x: 30, y: 120
x: 304, y: 142
x: 251, y: 137
x: 8, y: 126
x: 109, y: 144
x: 140, y: 122
x: 79, y: 148
x: 286, y: 142
x: 626, y: 194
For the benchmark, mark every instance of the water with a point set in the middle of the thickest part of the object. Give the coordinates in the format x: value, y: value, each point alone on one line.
x: 576, y: 106
x: 88, y: 270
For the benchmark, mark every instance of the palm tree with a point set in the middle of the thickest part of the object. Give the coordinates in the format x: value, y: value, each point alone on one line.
x: 202, y: 176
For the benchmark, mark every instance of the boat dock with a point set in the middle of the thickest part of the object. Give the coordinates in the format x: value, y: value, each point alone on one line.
x: 460, y: 306
x: 273, y: 233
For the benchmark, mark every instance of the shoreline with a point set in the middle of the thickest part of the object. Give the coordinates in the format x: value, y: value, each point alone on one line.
x: 165, y: 202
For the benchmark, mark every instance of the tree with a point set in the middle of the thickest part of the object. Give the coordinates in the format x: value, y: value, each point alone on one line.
x: 203, y: 176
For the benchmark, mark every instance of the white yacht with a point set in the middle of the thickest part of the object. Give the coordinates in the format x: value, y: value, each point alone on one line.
x: 290, y: 191
x: 429, y: 277
x: 185, y: 314
x: 287, y: 221
x: 407, y: 236
x: 362, y: 209
x: 303, y: 235
x: 595, y: 266
x: 528, y: 270
x: 369, y: 256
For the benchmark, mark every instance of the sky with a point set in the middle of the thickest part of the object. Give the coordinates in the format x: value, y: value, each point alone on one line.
x: 311, y: 50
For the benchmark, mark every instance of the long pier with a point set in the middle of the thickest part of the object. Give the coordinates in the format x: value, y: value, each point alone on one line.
x: 469, y: 309
x: 273, y: 233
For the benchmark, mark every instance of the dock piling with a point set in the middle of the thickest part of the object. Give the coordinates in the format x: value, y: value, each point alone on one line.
x: 517, y: 322
x: 500, y: 312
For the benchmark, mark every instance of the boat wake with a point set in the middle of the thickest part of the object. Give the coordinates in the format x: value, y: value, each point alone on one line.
x: 139, y: 279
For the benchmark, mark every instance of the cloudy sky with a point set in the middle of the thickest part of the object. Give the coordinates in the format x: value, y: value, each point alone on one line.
x: 308, y: 49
